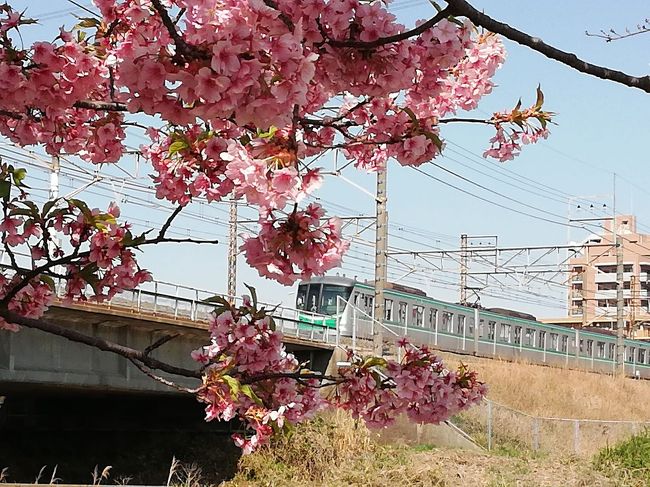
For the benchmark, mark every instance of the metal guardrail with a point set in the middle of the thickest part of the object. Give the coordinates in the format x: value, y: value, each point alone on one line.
x: 185, y: 303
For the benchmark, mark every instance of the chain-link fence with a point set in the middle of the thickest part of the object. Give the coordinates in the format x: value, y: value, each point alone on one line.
x: 498, y: 427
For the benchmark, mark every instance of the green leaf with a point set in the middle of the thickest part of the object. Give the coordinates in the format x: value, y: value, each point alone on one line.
x: 5, y: 189
x: 248, y: 392
x: 251, y: 289
x: 540, y: 97
x: 48, y: 206
x: 49, y: 281
x: 269, y: 134
x: 233, y: 384
x: 88, y: 22
x: 217, y: 299
x: 83, y: 207
x: 373, y: 362
x: 178, y: 146
x: 20, y: 212
x: 18, y: 176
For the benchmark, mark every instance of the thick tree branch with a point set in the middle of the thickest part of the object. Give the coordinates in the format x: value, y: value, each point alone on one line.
x: 183, y: 49
x: 100, y: 343
x: 169, y: 221
x: 102, y: 105
x: 382, y: 41
x: 462, y: 8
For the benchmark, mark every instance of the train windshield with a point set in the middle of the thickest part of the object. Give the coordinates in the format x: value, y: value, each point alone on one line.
x: 321, y: 298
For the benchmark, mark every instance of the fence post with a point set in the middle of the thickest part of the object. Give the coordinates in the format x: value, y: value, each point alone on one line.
x: 576, y: 436
x: 535, y: 434
x: 489, y: 424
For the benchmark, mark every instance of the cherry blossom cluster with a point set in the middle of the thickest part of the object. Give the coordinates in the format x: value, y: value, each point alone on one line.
x: 245, y: 97
x: 248, y: 375
x: 30, y: 302
x: 378, y: 390
x: 40, y: 91
x: 63, y: 239
x: 532, y: 125
x: 296, y: 247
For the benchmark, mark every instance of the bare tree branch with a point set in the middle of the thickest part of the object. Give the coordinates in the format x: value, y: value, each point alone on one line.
x: 382, y: 41
x: 462, y: 8
x: 159, y: 343
x: 100, y: 343
x: 162, y: 380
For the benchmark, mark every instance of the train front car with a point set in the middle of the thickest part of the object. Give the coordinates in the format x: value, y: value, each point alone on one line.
x: 317, y: 300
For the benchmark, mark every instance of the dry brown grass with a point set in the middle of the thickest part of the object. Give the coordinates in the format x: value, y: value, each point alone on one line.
x: 336, y: 451
x: 550, y: 391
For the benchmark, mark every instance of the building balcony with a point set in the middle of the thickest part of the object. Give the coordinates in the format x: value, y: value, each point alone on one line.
x: 611, y: 276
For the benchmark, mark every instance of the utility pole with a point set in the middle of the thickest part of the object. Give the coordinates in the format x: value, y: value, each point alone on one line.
x: 232, y: 252
x: 381, y: 245
x: 463, y: 269
x: 620, y: 303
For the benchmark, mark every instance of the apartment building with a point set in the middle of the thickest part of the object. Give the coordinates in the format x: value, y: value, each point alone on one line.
x: 592, y: 281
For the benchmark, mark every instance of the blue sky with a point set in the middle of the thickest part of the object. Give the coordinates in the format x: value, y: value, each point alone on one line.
x: 602, y: 128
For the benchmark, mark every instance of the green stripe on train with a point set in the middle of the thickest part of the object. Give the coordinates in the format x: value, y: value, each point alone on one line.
x: 306, y: 320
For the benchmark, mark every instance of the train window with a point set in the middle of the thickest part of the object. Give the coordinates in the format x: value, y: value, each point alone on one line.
x: 590, y: 347
x: 481, y: 327
x: 504, y: 333
x: 401, y: 312
x: 530, y: 337
x: 600, y: 349
x: 470, y: 327
x: 518, y: 335
x: 565, y: 343
x: 582, y: 344
x: 554, y: 342
x: 368, y: 303
x: 417, y: 317
x: 329, y: 297
x: 641, y: 356
x: 433, y: 316
x: 301, y: 297
x: 460, y: 325
x: 630, y: 354
x: 313, y: 297
x: 388, y: 309
x: 447, y: 318
x: 541, y: 339
x: 492, y: 326
x: 611, y: 350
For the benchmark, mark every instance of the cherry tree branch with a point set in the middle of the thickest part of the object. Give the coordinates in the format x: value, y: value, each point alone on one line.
x: 463, y: 8
x: 183, y: 49
x: 100, y: 343
x: 382, y: 41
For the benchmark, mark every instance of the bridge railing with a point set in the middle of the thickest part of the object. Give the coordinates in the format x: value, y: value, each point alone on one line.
x: 185, y: 303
